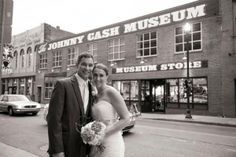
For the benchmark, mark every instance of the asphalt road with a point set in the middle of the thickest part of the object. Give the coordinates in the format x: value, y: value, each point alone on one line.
x: 149, y: 138
x: 174, y: 139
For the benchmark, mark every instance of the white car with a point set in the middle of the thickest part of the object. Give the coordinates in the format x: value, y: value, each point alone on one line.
x: 18, y: 104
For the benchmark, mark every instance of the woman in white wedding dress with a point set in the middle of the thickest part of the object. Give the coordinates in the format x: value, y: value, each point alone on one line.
x: 108, y: 106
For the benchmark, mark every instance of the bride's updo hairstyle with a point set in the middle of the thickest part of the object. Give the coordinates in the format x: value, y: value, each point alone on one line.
x: 102, y: 67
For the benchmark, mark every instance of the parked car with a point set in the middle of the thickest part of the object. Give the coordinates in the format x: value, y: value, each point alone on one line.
x: 131, y: 124
x: 16, y: 104
x: 126, y: 129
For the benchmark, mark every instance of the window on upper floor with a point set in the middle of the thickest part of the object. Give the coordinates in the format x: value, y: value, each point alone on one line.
x: 16, y: 58
x: 43, y: 61
x: 92, y: 49
x: 71, y: 56
x: 22, y: 54
x: 195, y: 39
x: 116, y: 49
x: 57, y: 59
x: 147, y: 44
x: 29, y: 53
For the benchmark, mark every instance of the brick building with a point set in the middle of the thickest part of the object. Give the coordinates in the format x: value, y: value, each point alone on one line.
x: 146, y: 58
x: 6, y: 10
x: 18, y: 77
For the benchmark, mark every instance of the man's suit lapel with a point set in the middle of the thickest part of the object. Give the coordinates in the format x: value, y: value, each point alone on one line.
x: 75, y: 85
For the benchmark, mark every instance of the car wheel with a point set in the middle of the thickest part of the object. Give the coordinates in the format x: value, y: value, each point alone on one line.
x: 10, y: 111
x: 34, y: 113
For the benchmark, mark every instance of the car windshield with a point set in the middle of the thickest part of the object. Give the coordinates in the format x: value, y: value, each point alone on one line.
x: 18, y: 98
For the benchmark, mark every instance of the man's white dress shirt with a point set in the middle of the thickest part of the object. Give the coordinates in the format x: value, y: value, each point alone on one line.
x: 83, y: 86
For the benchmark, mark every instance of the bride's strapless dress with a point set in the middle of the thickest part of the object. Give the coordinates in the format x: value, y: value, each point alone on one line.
x: 114, y: 144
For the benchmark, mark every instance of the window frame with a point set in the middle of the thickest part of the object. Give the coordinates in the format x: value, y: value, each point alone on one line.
x: 181, y: 91
x: 48, y: 89
x: 116, y: 45
x: 57, y: 59
x: 71, y: 56
x: 15, y: 55
x: 142, y: 39
x: 43, y: 61
x: 29, y: 53
x: 93, y: 49
x: 183, y: 39
x: 22, y: 54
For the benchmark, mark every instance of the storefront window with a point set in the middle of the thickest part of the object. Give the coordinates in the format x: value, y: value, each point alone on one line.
x: 128, y: 89
x: 116, y: 85
x: 183, y: 92
x: 134, y: 90
x: 177, y: 92
x: 125, y: 85
x: 22, y: 86
x: 14, y: 90
x: 145, y: 95
x: 4, y: 86
x: 48, y: 90
x: 29, y: 86
x: 200, y: 90
x: 155, y: 95
x: 173, y: 90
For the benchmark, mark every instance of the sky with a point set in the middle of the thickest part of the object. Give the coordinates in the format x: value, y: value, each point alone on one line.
x: 78, y: 16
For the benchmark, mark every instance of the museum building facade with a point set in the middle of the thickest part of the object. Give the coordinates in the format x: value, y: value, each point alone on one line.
x: 147, y: 59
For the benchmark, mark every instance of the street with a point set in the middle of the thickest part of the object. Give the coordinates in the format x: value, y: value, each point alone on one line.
x: 149, y: 138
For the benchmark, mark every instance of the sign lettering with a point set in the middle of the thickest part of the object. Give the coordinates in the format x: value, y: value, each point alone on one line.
x: 155, y: 21
x: 161, y: 67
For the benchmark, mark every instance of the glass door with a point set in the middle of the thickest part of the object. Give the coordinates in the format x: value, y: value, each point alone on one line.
x: 158, y: 95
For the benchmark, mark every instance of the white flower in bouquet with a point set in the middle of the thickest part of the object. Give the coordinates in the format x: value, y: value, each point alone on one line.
x: 93, y: 134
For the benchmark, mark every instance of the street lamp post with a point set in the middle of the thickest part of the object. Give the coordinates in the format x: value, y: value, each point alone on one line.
x: 187, y: 29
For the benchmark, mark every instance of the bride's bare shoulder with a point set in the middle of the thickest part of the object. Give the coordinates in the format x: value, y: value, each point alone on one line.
x: 113, y: 93
x: 112, y: 90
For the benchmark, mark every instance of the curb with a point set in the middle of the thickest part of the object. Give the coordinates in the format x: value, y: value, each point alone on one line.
x: 198, y: 122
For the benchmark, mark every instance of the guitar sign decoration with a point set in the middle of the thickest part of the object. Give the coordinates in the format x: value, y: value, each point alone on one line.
x: 7, y: 56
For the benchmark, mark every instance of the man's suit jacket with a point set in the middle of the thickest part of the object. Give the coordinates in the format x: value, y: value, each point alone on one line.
x: 65, y: 109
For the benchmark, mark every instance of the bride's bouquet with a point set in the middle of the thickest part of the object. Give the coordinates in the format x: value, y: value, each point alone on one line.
x: 93, y: 134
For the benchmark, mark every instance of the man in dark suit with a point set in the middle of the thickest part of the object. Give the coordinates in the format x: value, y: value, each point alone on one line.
x: 70, y: 104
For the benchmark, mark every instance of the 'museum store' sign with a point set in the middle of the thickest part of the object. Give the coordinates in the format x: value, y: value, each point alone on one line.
x: 160, y: 67
x: 150, y: 22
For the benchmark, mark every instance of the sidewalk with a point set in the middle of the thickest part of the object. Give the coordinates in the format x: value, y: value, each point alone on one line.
x: 210, y: 120
x: 9, y: 151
